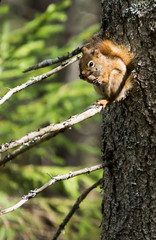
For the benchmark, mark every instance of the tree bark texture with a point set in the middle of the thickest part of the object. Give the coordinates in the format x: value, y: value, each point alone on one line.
x: 129, y: 136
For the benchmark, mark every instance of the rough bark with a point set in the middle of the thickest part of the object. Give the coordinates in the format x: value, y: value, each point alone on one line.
x: 129, y: 201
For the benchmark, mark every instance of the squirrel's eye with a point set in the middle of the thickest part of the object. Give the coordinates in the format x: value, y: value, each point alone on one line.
x: 91, y: 64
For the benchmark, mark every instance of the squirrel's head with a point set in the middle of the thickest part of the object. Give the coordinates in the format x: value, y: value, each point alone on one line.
x: 89, y: 63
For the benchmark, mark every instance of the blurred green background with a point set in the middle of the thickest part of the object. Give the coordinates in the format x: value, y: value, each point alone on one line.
x: 30, y: 32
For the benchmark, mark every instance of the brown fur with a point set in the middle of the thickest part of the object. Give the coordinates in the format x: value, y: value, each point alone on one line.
x: 110, y: 48
x: 111, y: 63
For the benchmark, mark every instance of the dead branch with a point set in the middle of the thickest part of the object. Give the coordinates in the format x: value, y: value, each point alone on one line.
x: 37, y: 79
x: 49, y: 62
x: 34, y: 138
x: 53, y: 180
x: 10, y: 156
x: 75, y: 207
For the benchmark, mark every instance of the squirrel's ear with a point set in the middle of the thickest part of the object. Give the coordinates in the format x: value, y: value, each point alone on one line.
x: 84, y: 50
x: 96, y: 52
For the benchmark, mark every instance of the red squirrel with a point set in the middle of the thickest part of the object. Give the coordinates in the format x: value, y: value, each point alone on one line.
x: 106, y: 65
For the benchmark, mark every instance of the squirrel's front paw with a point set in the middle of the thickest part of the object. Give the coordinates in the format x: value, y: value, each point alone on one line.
x: 94, y: 80
x: 101, y: 102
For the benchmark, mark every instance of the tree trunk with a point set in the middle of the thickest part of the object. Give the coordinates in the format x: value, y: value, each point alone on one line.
x: 129, y: 201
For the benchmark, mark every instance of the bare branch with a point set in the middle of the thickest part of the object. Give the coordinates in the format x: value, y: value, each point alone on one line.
x: 33, y: 193
x: 26, y: 147
x: 37, y: 79
x: 49, y: 62
x: 45, y: 133
x: 75, y: 207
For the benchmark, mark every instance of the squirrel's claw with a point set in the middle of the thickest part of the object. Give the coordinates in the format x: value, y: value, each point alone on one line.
x: 101, y: 102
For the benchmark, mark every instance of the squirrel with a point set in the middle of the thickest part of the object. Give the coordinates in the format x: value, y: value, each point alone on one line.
x: 108, y: 67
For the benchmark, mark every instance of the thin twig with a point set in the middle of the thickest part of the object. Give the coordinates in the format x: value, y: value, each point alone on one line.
x: 75, y: 207
x: 10, y: 156
x: 34, y: 192
x: 49, y: 62
x: 45, y: 133
x: 37, y: 79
